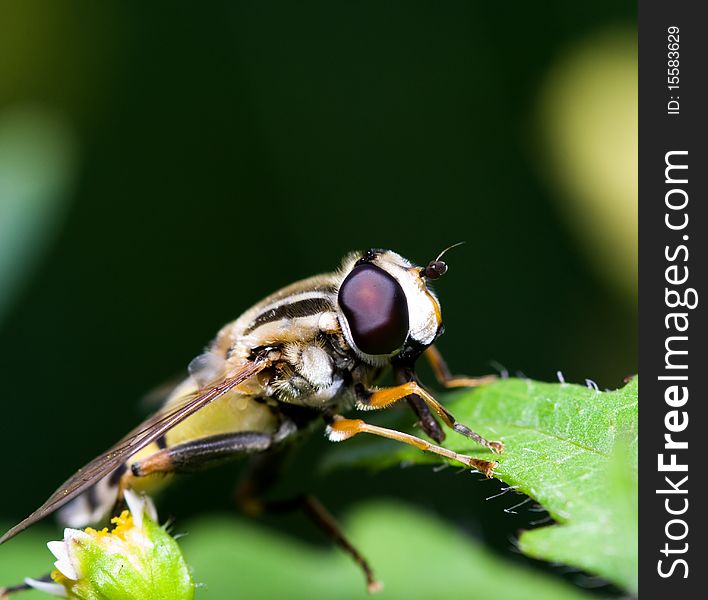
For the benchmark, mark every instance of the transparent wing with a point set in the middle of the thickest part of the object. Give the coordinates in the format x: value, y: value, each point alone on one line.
x: 141, y: 436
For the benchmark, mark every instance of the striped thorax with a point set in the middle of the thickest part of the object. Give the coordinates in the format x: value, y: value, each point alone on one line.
x: 332, y: 329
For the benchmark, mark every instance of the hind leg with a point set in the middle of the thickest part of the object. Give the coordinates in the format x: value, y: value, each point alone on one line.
x: 189, y: 457
x: 261, y: 475
x: 201, y: 454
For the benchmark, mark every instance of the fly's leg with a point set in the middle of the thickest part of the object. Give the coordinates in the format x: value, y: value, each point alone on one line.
x: 340, y: 429
x: 448, y: 380
x: 426, y: 419
x: 262, y: 474
x: 203, y: 453
x: 191, y: 457
x: 323, y: 519
x: 382, y: 398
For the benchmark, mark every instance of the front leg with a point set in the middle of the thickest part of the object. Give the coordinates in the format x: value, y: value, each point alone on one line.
x: 340, y: 429
x: 373, y: 400
x: 426, y: 420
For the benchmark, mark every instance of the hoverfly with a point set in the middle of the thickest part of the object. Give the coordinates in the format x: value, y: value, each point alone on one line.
x: 302, y: 356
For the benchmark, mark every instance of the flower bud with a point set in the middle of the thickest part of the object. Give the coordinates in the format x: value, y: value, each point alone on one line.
x: 136, y: 559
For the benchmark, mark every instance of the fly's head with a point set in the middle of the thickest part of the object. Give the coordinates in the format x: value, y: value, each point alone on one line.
x: 387, y: 309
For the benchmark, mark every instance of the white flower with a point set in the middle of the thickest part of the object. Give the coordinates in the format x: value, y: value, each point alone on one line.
x: 137, y: 558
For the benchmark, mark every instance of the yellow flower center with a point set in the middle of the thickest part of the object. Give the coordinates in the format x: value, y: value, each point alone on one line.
x: 123, y: 523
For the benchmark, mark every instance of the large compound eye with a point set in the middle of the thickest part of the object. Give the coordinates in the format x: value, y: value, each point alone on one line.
x: 376, y: 309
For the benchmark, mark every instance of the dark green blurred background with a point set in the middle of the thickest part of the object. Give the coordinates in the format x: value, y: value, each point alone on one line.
x: 193, y: 157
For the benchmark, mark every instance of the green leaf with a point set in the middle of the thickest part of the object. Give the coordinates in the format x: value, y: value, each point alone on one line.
x: 413, y: 553
x: 409, y: 550
x: 571, y: 448
x: 26, y: 556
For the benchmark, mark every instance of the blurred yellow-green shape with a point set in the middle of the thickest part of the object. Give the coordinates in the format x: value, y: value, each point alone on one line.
x: 588, y: 115
x: 37, y: 164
